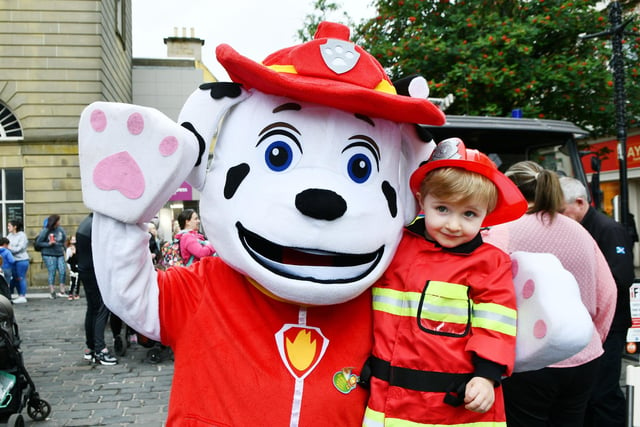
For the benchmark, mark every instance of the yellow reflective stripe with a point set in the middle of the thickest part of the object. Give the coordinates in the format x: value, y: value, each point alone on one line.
x: 373, y: 418
x: 448, y: 290
x: 443, y: 302
x: 377, y: 419
x: 283, y: 68
x: 446, y: 302
x: 445, y: 310
x: 395, y: 302
x: 495, y: 317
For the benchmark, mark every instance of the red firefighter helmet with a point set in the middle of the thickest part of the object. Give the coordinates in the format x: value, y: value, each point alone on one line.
x: 452, y: 152
x: 331, y: 71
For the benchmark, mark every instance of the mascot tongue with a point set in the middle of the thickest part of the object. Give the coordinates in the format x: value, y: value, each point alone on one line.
x: 293, y: 257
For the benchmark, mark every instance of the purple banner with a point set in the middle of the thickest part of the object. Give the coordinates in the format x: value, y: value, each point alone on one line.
x: 184, y: 192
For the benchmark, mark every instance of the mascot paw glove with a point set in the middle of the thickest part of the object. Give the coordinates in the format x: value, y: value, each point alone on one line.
x: 553, y: 324
x: 132, y: 159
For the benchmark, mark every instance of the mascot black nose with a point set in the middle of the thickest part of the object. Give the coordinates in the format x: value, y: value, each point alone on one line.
x: 321, y: 204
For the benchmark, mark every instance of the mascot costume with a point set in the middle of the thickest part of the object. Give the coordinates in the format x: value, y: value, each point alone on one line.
x: 305, y: 200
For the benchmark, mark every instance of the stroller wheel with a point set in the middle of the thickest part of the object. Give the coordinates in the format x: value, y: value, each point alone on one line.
x: 38, y: 409
x: 15, y: 420
x: 154, y: 356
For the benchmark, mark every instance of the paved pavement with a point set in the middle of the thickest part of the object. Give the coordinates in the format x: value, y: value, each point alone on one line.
x: 80, y: 393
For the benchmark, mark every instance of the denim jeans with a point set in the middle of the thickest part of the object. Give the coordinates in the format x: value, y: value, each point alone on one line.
x: 55, y: 263
x: 19, y: 277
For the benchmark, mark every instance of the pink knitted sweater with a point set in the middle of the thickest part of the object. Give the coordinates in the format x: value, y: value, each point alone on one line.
x: 579, y: 254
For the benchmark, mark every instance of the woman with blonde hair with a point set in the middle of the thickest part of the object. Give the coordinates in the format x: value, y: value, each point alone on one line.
x: 556, y: 395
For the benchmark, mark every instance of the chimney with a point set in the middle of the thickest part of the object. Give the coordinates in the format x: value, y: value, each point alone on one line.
x: 184, y: 47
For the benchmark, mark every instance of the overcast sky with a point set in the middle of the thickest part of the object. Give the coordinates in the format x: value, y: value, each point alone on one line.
x: 255, y: 28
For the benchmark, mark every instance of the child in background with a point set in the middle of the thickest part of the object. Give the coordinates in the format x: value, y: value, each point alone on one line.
x: 72, y: 263
x: 445, y: 309
x: 4, y: 285
x: 7, y: 259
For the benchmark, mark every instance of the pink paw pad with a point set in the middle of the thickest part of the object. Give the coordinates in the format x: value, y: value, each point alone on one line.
x: 540, y: 329
x: 168, y: 146
x: 514, y: 268
x: 98, y: 120
x: 135, y: 124
x: 528, y: 289
x: 120, y: 172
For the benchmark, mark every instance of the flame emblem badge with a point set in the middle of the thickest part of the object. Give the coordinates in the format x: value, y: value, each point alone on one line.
x: 301, y: 348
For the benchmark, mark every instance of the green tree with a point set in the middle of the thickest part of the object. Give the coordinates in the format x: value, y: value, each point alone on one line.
x: 498, y: 55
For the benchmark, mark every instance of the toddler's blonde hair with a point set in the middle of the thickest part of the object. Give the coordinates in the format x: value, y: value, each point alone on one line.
x: 460, y: 185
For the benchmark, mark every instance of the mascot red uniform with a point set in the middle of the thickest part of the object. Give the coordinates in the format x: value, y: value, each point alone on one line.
x: 305, y: 201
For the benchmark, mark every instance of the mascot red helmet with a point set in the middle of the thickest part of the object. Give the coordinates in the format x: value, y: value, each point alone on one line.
x: 330, y: 70
x: 453, y: 153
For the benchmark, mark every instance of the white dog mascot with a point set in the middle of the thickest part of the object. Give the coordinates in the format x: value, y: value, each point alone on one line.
x: 304, y: 202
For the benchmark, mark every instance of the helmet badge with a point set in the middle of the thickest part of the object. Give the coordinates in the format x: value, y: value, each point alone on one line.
x: 340, y: 56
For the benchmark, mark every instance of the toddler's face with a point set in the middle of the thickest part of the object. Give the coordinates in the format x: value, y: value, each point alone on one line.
x: 452, y: 224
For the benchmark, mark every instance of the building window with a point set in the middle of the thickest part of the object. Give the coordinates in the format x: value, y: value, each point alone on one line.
x: 9, y: 125
x: 11, y: 196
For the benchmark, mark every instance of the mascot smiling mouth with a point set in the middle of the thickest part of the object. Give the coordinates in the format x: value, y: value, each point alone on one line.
x: 308, y: 264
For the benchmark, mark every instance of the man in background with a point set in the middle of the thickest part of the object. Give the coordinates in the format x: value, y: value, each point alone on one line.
x: 607, y: 406
x: 97, y: 315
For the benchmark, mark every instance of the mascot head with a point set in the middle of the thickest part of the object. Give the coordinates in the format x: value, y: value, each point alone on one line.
x: 308, y: 189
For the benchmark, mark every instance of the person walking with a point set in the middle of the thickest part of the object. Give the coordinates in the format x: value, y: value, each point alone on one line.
x: 556, y: 395
x: 97, y: 314
x: 18, y: 243
x: 51, y: 241
x: 607, y: 404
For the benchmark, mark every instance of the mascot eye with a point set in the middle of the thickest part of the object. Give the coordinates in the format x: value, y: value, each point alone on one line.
x: 278, y: 156
x: 359, y: 168
x: 363, y: 158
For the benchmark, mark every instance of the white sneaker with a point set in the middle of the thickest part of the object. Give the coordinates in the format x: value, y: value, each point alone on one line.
x: 20, y: 300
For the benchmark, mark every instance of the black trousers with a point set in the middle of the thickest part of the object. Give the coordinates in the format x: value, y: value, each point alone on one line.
x: 608, y: 406
x: 97, y: 315
x: 549, y: 397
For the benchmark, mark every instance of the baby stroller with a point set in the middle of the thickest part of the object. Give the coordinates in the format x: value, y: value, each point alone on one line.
x: 17, y: 389
x: 156, y: 353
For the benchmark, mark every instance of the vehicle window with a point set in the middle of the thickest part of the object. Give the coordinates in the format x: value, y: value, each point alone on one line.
x: 553, y: 158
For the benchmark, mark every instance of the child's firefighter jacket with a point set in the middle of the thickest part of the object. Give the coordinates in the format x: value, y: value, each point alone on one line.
x: 440, y: 315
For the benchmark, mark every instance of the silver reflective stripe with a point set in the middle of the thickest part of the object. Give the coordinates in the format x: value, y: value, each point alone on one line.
x: 428, y: 308
x: 489, y: 315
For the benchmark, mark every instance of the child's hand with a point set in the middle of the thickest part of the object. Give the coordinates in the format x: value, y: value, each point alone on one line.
x: 479, y: 395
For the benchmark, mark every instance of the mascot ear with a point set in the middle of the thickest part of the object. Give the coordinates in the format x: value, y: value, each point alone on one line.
x: 417, y: 145
x: 417, y: 142
x: 201, y: 114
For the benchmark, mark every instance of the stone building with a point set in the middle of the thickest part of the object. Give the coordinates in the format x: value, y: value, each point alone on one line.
x: 56, y: 57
